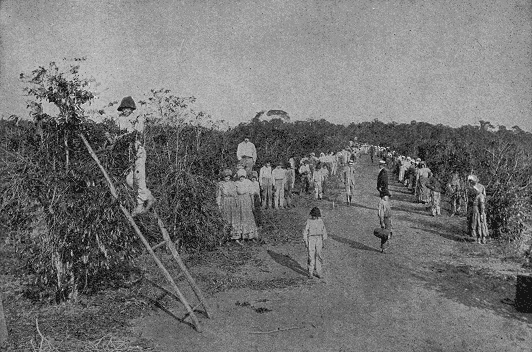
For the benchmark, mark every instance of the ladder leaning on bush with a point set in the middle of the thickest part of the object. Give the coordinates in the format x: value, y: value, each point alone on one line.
x: 169, y: 244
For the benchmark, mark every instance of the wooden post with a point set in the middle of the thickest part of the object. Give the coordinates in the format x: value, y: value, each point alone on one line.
x: 3, y: 326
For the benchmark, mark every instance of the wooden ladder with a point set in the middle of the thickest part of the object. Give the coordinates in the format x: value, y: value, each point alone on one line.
x: 174, y: 291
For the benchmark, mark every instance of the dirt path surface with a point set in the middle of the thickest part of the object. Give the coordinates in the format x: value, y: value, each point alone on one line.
x: 425, y: 294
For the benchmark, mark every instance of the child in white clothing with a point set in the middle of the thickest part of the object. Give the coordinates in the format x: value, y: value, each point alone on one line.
x: 313, y: 235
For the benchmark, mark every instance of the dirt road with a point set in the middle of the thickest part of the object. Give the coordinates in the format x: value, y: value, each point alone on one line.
x: 425, y: 294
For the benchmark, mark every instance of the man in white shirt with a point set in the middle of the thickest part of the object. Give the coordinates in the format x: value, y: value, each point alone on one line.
x: 279, y: 179
x: 246, y: 155
x: 266, y: 185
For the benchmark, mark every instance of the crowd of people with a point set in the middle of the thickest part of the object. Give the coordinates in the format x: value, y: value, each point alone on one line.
x: 242, y: 195
x: 273, y: 186
x: 428, y: 187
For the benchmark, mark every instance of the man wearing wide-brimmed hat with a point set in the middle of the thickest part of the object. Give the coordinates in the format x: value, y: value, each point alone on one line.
x: 136, y: 178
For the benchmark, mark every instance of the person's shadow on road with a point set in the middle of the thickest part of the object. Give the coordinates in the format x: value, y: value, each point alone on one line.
x: 353, y: 244
x: 287, y: 261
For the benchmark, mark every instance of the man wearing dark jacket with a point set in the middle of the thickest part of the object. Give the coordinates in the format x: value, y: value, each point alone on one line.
x: 382, y: 179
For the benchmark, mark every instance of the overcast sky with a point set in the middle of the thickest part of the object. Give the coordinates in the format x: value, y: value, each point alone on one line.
x: 452, y: 62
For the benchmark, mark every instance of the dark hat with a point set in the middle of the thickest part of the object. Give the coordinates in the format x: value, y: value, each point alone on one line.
x: 127, y: 102
x: 315, y: 212
x: 385, y: 193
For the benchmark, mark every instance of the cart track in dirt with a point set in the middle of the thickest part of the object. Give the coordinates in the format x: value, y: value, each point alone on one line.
x: 423, y: 295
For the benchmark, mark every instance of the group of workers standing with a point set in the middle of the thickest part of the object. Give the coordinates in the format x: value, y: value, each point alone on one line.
x: 428, y: 188
x: 273, y: 187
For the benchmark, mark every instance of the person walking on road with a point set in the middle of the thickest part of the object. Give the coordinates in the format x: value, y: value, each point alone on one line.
x: 349, y: 182
x: 384, y: 213
x: 313, y: 236
x: 246, y: 154
x: 382, y: 179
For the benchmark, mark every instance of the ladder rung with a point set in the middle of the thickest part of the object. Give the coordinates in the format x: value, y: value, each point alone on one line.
x: 158, y: 245
x: 193, y: 309
x: 197, y: 306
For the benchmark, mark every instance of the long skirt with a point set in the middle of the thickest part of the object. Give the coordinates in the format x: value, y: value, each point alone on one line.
x: 230, y: 213
x: 246, y: 227
x: 477, y: 226
x: 423, y: 190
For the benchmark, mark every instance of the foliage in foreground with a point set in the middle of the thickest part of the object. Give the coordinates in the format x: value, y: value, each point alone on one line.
x: 59, y: 210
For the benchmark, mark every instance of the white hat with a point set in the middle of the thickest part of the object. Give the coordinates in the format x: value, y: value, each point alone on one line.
x: 382, y: 162
x: 241, y: 173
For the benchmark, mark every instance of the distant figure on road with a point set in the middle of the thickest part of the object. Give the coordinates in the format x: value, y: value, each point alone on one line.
x: 385, y: 218
x: 435, y: 185
x: 304, y: 172
x: 290, y: 182
x: 476, y: 208
x: 423, y: 193
x: 317, y: 180
x: 382, y: 179
x: 349, y: 182
x: 246, y: 155
x: 455, y: 189
x: 313, y: 236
